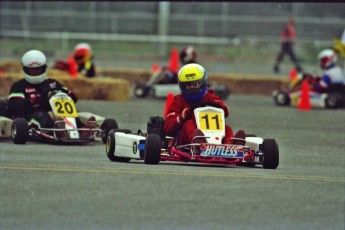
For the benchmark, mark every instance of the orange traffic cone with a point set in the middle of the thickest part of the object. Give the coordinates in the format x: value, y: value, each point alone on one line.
x: 174, y: 61
x: 169, y: 100
x: 73, y: 69
x: 304, y: 103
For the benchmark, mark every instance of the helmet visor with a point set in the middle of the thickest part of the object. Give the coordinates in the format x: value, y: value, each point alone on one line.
x: 79, y: 57
x: 35, y: 71
x: 193, y: 87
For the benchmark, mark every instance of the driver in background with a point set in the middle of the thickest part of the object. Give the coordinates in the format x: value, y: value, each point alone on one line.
x: 193, y: 82
x: 83, y: 57
x: 186, y: 56
x: 29, y: 97
x: 332, y: 73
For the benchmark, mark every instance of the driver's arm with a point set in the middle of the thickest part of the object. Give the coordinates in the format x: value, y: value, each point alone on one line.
x: 214, y: 98
x: 174, y: 120
x: 18, y: 104
x: 64, y: 89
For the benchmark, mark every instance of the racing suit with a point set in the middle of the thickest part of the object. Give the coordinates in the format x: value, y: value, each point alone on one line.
x: 175, y: 125
x: 332, y: 75
x: 87, y: 69
x: 31, y: 101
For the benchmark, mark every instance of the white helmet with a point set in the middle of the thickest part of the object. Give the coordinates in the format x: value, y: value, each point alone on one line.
x: 327, y: 58
x: 34, y: 66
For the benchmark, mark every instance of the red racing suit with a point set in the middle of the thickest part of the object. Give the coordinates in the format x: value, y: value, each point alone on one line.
x: 184, y: 128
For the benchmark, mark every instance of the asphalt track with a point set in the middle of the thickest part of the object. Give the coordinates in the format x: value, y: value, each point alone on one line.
x: 46, y: 186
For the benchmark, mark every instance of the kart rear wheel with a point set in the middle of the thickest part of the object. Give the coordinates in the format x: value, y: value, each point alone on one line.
x: 333, y: 100
x: 152, y: 149
x: 140, y: 90
x: 221, y: 91
x: 20, y: 131
x: 282, y: 99
x: 107, y: 125
x: 271, y: 154
x: 110, y: 146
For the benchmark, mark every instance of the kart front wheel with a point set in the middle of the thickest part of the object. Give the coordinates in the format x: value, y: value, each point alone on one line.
x: 281, y: 99
x: 20, y: 131
x: 107, y: 125
x: 271, y: 154
x: 153, y: 145
x: 110, y: 146
x: 140, y: 90
x: 333, y: 100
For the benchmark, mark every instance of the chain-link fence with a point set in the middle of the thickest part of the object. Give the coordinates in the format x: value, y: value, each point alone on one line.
x: 141, y: 29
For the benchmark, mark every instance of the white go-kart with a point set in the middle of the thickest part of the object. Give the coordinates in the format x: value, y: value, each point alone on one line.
x: 71, y: 126
x: 152, y: 146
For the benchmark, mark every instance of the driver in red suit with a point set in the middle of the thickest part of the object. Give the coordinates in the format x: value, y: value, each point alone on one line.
x: 193, y: 82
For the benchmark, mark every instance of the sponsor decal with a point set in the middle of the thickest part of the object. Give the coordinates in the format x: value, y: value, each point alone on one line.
x: 135, y: 147
x: 222, y: 150
x: 69, y: 123
x: 52, y: 85
x: 30, y: 90
x: 190, y: 75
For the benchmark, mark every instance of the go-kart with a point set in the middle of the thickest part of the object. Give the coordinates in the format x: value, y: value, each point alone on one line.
x: 71, y: 126
x: 333, y: 98
x: 152, y: 146
x: 156, y: 89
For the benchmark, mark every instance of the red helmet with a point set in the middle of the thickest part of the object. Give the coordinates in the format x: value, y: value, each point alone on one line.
x: 188, y: 55
x: 82, y: 53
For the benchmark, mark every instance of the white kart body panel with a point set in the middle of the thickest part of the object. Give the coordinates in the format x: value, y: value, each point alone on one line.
x: 5, y: 126
x: 317, y: 100
x: 254, y: 142
x: 84, y: 116
x: 162, y: 90
x: 127, y: 145
x: 215, y: 136
x: 71, y: 123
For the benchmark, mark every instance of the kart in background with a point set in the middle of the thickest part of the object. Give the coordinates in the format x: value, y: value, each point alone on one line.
x: 71, y: 126
x: 154, y: 88
x: 152, y: 146
x: 333, y: 98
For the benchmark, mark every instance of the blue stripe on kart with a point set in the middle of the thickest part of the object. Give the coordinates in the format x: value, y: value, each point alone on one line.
x: 141, y: 147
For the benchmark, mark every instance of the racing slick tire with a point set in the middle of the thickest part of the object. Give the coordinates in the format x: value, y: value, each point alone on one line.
x: 110, y: 146
x: 282, y: 99
x: 153, y: 145
x: 271, y: 154
x: 107, y: 125
x: 333, y: 100
x: 140, y: 90
x: 20, y: 131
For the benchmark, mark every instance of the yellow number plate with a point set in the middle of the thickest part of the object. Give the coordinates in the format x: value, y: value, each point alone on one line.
x: 211, y: 121
x: 65, y: 108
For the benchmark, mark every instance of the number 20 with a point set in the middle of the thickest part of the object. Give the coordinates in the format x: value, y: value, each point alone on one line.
x: 61, y: 107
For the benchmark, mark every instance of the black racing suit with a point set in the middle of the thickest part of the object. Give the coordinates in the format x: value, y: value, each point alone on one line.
x: 88, y: 69
x: 31, y: 101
